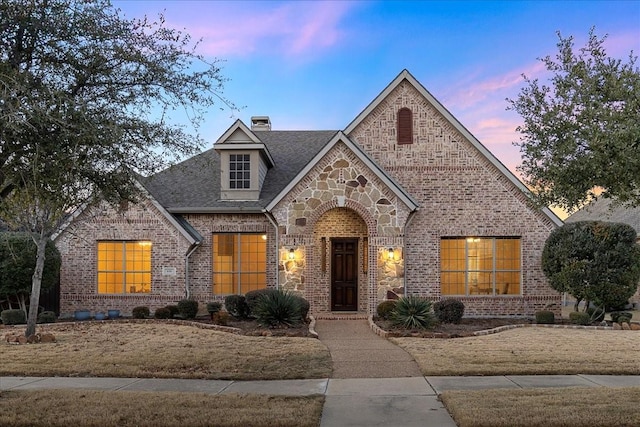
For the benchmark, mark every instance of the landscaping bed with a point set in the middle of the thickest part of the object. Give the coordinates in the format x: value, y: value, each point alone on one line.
x: 466, y: 328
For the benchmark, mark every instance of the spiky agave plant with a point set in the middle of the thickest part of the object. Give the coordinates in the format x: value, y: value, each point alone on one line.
x: 413, y: 312
x: 277, y: 309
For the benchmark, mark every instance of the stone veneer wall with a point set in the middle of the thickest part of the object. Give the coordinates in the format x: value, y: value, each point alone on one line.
x: 341, y: 191
x: 78, y: 247
x: 460, y: 194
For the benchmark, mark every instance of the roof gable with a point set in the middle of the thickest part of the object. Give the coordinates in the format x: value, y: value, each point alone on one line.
x: 341, y: 137
x: 240, y: 137
x: 457, y: 126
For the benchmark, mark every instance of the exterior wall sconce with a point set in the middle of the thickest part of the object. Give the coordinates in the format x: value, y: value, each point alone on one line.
x: 292, y: 254
x: 390, y: 253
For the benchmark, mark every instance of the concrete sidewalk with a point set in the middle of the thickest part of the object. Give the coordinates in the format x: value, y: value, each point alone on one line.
x: 411, y: 401
x: 356, y: 352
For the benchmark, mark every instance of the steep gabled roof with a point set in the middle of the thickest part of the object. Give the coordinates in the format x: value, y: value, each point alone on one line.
x: 406, y: 75
x: 193, y: 186
x: 341, y: 137
x: 603, y: 210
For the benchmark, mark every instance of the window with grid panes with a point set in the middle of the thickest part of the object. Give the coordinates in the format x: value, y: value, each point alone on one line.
x: 239, y: 171
x: 124, y: 267
x: 239, y: 263
x: 480, y: 266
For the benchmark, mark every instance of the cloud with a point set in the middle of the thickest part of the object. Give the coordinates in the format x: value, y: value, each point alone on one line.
x: 289, y: 29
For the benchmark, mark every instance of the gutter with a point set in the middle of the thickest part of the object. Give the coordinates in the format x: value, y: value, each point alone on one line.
x: 192, y: 249
x: 277, y: 239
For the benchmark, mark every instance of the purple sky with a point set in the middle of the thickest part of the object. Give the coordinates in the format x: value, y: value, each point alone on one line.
x: 316, y: 65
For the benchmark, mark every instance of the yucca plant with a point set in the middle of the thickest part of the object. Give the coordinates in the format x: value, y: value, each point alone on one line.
x: 277, y: 309
x: 413, y: 312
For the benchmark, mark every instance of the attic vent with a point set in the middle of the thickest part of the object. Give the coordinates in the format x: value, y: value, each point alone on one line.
x: 260, y: 123
x: 405, y: 126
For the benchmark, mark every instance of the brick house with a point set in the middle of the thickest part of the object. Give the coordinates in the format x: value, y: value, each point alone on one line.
x: 404, y: 200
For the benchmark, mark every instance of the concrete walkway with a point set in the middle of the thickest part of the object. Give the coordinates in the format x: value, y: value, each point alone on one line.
x: 349, y: 402
x: 357, y: 352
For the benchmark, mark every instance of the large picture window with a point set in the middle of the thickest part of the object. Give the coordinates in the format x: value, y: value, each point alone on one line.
x: 124, y: 267
x: 480, y: 266
x: 239, y: 263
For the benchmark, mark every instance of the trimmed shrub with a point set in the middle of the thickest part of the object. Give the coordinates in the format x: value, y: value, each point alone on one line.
x: 413, y: 312
x: 47, y: 317
x: 385, y: 308
x: 621, y: 316
x: 162, y: 313
x: 214, y: 307
x: 188, y: 308
x: 252, y: 297
x: 13, y: 317
x: 596, y: 314
x: 579, y: 318
x: 220, y: 318
x: 236, y: 306
x: 545, y: 317
x: 173, y: 309
x: 304, y: 307
x: 277, y: 309
x: 449, y: 310
x: 140, y: 312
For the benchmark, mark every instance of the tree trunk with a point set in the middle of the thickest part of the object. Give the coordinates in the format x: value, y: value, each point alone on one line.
x: 36, y: 283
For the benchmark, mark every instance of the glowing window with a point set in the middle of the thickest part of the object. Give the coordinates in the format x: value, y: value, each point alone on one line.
x: 124, y: 267
x: 480, y: 266
x: 239, y: 263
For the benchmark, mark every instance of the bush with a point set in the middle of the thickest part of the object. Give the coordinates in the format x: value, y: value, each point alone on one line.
x: 545, y: 317
x: 214, y: 307
x: 449, y: 310
x: 596, y: 314
x: 621, y: 316
x: 162, y: 313
x: 220, y: 318
x: 188, y: 308
x: 413, y: 312
x: 13, y: 317
x: 252, y: 297
x: 278, y: 309
x: 304, y: 307
x: 141, y: 312
x: 385, y: 308
x: 579, y: 318
x: 173, y: 309
x: 47, y: 317
x: 236, y: 305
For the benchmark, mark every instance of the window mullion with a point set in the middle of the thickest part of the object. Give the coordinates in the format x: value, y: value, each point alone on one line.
x: 124, y: 267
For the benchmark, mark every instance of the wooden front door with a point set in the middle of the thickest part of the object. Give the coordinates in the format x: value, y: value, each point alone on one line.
x: 344, y: 274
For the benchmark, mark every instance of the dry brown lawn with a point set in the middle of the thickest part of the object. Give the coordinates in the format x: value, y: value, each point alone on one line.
x: 566, y: 407
x: 163, y: 350
x: 110, y: 408
x: 529, y: 351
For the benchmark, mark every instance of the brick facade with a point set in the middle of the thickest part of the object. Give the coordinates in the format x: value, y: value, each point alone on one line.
x: 460, y: 193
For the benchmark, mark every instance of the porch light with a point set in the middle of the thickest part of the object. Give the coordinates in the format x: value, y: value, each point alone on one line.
x: 390, y: 253
x: 264, y: 237
x: 292, y: 254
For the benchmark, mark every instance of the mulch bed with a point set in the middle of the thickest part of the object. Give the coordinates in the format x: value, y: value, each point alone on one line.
x: 251, y: 327
x: 465, y: 328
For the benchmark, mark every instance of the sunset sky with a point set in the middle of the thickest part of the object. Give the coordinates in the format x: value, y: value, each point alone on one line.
x: 316, y: 65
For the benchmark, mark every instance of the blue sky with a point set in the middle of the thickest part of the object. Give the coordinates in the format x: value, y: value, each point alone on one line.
x: 316, y: 65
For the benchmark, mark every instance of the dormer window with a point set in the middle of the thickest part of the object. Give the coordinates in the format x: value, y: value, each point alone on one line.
x: 239, y: 171
x: 405, y: 126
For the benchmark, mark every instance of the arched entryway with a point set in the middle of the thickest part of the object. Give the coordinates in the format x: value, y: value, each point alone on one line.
x: 340, y: 235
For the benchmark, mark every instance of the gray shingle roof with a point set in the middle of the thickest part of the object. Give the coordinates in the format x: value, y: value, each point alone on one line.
x: 194, y: 184
x: 602, y: 210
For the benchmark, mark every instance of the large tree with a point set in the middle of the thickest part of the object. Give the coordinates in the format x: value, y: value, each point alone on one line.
x: 86, y: 103
x: 581, y: 133
x: 593, y: 261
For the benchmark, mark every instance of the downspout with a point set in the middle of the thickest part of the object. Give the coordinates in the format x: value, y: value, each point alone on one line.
x: 275, y: 227
x: 406, y: 226
x: 192, y: 249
